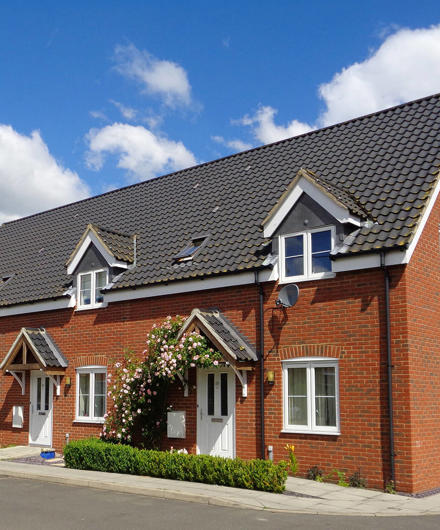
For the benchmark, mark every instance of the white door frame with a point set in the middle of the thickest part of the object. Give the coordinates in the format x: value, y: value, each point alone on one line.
x: 32, y: 406
x: 202, y: 396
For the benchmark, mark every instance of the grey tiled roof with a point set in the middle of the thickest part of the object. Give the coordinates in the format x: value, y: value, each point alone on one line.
x: 386, y: 163
x: 341, y: 195
x: 46, y: 348
x: 120, y: 245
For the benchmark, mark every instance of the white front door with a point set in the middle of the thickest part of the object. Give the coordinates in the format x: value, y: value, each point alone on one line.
x: 216, y: 412
x: 40, y: 409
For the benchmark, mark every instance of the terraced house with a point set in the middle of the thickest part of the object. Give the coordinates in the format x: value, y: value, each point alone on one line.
x: 312, y: 264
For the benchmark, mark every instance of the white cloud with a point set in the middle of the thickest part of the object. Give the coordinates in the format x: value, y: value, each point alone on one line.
x: 142, y: 153
x: 153, y: 120
x: 31, y: 180
x: 406, y: 66
x: 98, y: 115
x: 235, y: 144
x: 127, y: 112
x: 265, y: 129
x: 166, y: 79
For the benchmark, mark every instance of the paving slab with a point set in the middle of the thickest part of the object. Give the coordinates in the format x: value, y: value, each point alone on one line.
x: 327, y: 498
x: 18, y: 451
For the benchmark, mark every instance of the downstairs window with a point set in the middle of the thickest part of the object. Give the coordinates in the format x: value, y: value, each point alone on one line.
x: 91, y: 393
x: 311, y: 396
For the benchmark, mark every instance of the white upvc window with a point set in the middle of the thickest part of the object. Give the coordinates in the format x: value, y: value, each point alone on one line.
x: 311, y: 396
x: 306, y: 255
x: 89, y: 288
x: 91, y: 387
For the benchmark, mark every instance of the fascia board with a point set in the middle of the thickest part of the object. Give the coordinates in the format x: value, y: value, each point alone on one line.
x: 37, y: 307
x: 231, y: 280
x: 305, y: 186
x: 367, y: 261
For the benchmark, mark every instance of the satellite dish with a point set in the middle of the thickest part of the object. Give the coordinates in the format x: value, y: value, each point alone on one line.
x: 288, y: 296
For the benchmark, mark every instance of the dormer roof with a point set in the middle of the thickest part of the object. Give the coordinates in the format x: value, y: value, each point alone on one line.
x: 341, y: 204
x: 40, y: 343
x: 221, y: 332
x: 118, y: 249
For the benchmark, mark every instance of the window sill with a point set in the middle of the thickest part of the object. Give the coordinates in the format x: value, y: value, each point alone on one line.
x: 298, y: 279
x: 320, y: 433
x: 89, y: 420
x: 91, y: 307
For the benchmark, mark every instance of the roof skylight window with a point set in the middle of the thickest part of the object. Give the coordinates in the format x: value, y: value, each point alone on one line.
x: 191, y: 248
x: 4, y: 279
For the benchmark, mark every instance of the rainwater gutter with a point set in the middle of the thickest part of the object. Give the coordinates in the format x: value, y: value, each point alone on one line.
x: 387, y: 281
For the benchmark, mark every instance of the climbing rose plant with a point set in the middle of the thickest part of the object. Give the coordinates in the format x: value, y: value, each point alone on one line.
x: 139, y: 386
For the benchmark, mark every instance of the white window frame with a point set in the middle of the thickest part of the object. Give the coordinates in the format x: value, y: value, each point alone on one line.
x: 91, y: 370
x: 93, y: 304
x: 310, y: 363
x: 307, y: 252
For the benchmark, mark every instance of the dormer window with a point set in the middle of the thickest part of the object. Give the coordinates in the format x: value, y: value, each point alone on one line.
x: 306, y: 255
x: 90, y: 286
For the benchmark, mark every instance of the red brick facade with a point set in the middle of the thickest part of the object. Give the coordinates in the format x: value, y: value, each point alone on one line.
x: 341, y: 318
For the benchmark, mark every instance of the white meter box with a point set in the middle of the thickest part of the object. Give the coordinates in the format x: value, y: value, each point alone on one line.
x: 176, y: 424
x: 17, y: 416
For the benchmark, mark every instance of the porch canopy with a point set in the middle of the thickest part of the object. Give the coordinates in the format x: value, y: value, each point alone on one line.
x: 234, y: 347
x: 34, y: 349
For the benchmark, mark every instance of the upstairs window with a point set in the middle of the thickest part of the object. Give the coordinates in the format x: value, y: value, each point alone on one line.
x: 90, y: 286
x: 307, y: 254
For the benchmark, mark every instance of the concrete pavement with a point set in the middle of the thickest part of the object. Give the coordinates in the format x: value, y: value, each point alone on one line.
x: 302, y: 496
x: 18, y: 451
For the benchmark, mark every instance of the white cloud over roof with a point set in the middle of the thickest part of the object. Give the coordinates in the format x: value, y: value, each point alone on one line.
x: 141, y: 152
x: 31, y: 180
x: 405, y: 67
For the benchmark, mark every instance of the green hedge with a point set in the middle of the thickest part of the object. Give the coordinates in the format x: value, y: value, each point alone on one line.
x: 97, y: 455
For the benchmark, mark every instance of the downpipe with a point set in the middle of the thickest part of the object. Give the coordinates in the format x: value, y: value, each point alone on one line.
x: 387, y: 281
x: 261, y: 357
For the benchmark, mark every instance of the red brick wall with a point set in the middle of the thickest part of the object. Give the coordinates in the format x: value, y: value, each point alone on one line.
x: 342, y: 318
x: 99, y: 337
x: 423, y: 422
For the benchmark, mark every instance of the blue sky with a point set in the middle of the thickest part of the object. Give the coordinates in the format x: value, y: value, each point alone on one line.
x: 100, y: 94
